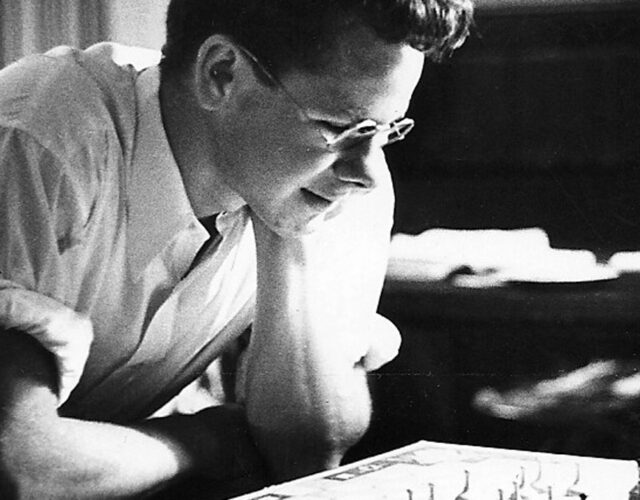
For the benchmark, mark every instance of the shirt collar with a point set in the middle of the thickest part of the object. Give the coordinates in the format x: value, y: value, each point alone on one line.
x: 158, y: 206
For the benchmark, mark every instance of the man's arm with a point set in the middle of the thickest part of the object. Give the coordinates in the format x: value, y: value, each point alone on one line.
x: 313, y: 337
x: 43, y: 455
x: 44, y: 344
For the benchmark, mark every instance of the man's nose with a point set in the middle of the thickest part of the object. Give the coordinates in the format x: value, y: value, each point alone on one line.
x: 362, y: 167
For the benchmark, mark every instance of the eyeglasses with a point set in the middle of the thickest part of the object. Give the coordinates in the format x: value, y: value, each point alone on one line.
x: 365, y: 130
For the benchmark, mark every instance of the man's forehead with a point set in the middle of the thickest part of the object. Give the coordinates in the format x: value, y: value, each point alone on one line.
x: 354, y: 99
x: 349, y: 90
x: 360, y: 52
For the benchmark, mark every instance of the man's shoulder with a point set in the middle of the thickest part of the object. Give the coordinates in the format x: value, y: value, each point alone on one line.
x: 69, y: 96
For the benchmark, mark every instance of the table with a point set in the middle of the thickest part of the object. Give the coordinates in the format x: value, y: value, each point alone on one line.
x: 459, y: 340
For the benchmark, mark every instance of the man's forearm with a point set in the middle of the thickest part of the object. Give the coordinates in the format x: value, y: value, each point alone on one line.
x: 77, y: 459
x: 307, y: 396
x: 43, y: 455
x: 306, y: 415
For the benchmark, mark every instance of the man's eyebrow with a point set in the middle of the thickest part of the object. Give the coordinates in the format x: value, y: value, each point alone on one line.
x: 347, y: 118
x: 343, y: 113
x: 332, y: 118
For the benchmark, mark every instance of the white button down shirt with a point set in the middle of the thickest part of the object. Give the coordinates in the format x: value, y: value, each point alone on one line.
x: 94, y: 218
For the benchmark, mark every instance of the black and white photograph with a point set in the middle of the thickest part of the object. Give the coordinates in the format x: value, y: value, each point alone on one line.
x: 320, y: 249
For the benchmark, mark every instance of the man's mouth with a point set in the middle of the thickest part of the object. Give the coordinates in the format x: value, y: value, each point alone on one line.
x: 315, y: 200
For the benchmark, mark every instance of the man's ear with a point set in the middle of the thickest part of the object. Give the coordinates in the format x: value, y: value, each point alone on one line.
x: 216, y: 71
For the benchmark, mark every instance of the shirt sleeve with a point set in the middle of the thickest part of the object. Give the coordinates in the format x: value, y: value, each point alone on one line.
x: 35, y: 224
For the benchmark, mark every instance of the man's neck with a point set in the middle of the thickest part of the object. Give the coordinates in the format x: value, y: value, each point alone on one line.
x: 187, y: 126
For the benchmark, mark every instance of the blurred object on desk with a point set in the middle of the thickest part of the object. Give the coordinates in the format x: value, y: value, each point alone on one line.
x: 479, y: 258
x: 479, y: 249
x: 601, y: 398
x: 601, y: 387
x: 625, y: 262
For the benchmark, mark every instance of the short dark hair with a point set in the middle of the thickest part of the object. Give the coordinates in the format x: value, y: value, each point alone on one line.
x: 295, y: 33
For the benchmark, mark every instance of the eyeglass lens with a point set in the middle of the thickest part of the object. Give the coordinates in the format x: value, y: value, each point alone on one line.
x: 394, y: 132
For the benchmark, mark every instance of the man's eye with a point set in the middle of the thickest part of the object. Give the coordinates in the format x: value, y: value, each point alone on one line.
x: 332, y: 128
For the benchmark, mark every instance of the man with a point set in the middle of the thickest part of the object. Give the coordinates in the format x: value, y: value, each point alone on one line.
x: 148, y: 218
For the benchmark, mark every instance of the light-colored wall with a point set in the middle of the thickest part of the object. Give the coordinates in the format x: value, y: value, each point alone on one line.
x: 137, y: 22
x: 37, y: 25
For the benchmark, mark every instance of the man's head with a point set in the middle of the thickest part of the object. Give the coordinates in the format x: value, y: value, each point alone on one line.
x: 300, y: 33
x: 277, y: 83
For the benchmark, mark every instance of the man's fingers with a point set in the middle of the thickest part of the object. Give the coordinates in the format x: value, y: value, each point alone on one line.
x: 384, y: 344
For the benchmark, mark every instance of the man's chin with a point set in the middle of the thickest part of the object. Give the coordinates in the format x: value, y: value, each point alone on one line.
x: 322, y: 219
x: 298, y: 227
x: 334, y: 211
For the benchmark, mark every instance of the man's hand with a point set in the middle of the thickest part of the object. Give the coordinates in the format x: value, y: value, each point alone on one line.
x: 384, y: 343
x: 60, y: 330
x: 344, y: 262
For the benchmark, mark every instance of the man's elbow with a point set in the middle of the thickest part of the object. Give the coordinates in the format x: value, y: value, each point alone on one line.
x: 313, y: 446
x: 348, y: 430
x: 292, y: 459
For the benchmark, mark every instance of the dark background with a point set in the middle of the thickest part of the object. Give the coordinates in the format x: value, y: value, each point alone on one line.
x: 535, y: 121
